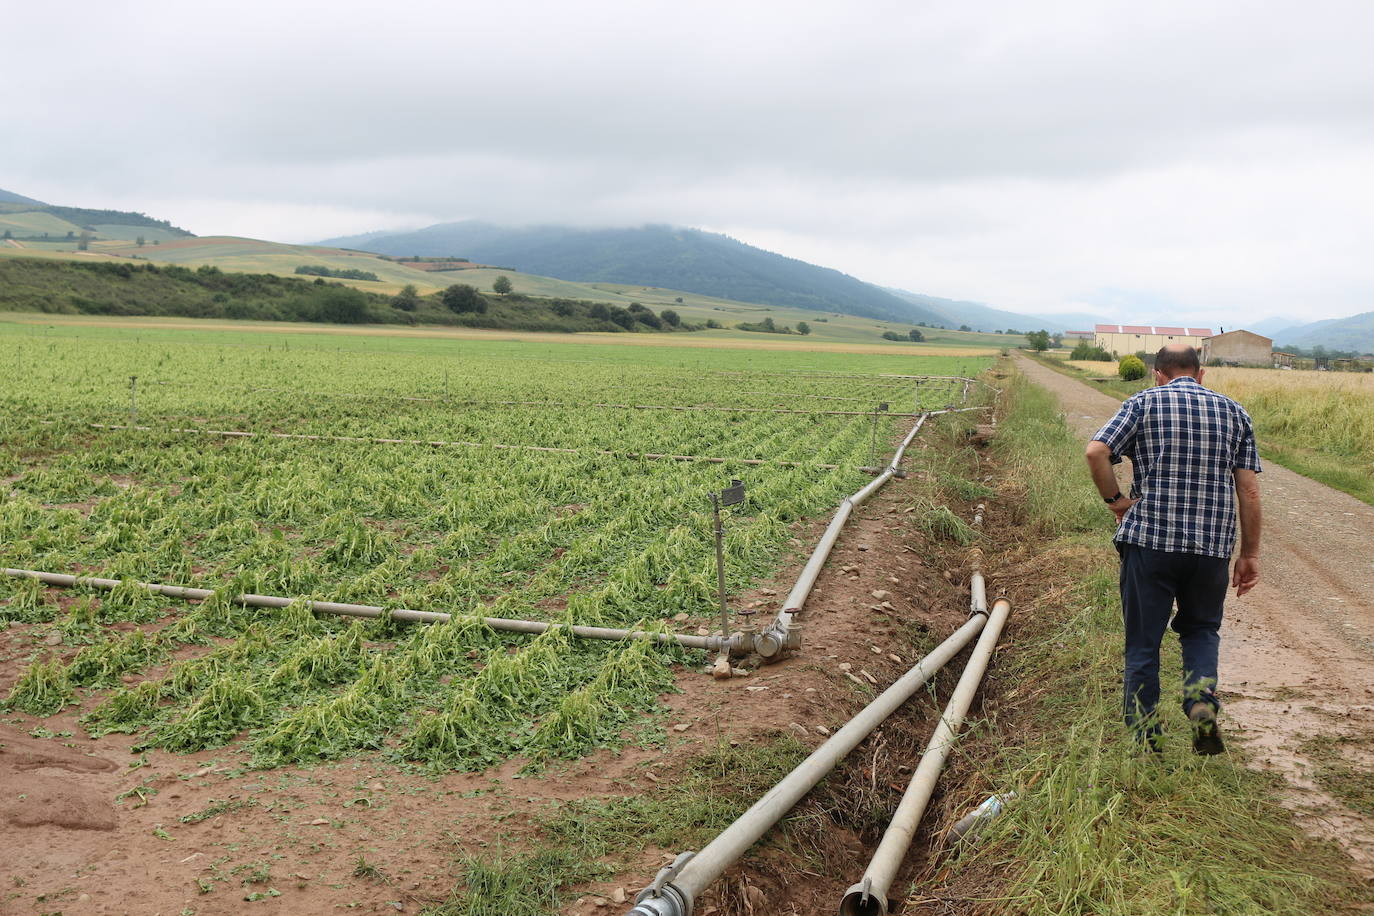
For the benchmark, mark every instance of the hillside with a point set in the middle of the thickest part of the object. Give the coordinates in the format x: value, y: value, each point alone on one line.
x: 982, y: 317
x: 107, y: 287
x: 1353, y: 333
x: 658, y: 256
x: 43, y: 225
x: 9, y: 197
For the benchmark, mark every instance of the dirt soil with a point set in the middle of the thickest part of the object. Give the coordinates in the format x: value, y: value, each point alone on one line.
x: 92, y: 827
x: 1297, y: 653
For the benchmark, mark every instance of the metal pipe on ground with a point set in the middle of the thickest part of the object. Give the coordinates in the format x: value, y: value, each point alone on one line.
x: 676, y: 887
x: 978, y: 594
x: 869, y: 896
x: 783, y: 633
x: 709, y: 643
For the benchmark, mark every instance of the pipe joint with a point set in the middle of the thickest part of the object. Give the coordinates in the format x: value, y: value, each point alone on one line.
x: 662, y: 897
x: 666, y: 901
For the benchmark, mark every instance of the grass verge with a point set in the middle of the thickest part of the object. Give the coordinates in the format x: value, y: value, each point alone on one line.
x: 588, y: 839
x: 1095, y: 826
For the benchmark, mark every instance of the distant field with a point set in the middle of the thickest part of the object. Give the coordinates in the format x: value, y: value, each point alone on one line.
x: 23, y: 224
x: 374, y: 336
x: 149, y: 233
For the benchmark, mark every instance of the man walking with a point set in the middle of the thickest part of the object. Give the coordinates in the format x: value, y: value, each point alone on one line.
x: 1195, y: 463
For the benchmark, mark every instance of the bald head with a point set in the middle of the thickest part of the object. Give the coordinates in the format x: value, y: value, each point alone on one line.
x: 1177, y: 359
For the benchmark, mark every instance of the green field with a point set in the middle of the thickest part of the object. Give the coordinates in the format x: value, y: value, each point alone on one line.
x: 468, y: 529
x: 36, y: 223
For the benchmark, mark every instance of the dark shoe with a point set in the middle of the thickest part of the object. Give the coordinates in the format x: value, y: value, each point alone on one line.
x: 1149, y: 743
x: 1206, y: 738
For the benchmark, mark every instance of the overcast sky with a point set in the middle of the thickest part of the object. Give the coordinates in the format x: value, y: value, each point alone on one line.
x: 1211, y: 161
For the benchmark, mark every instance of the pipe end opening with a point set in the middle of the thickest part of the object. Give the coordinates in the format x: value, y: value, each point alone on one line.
x: 860, y: 902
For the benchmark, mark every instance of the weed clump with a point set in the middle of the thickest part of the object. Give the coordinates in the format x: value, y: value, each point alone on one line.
x: 226, y: 707
x: 43, y: 690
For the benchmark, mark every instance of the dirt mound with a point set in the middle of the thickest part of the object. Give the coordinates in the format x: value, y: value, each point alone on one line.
x: 44, y: 785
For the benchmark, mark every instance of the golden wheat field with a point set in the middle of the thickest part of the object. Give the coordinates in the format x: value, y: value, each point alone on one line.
x: 1331, y: 412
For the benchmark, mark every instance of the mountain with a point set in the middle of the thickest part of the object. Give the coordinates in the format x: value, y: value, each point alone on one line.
x: 9, y: 197
x: 1353, y: 333
x: 1274, y: 327
x: 662, y: 256
x: 982, y: 317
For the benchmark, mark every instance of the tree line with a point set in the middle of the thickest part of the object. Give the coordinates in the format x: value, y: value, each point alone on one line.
x: 144, y: 288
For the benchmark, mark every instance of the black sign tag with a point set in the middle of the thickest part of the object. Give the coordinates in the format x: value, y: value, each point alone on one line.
x: 732, y: 495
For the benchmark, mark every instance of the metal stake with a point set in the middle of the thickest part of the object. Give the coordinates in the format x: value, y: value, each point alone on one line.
x: 133, y: 400
x: 873, y: 439
x: 730, y: 496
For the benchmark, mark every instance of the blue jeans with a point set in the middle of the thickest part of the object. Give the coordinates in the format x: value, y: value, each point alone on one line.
x: 1151, y: 582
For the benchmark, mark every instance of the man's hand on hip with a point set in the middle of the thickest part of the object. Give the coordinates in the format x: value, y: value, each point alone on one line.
x: 1245, y: 574
x: 1121, y: 507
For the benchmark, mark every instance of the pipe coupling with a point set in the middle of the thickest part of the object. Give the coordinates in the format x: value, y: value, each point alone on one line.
x: 662, y: 898
x: 667, y: 901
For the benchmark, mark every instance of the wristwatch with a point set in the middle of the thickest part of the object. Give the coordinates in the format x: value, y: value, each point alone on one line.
x: 1111, y: 499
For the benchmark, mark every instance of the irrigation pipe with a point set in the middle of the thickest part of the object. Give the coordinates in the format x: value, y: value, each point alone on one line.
x: 869, y: 896
x: 648, y: 456
x: 709, y: 643
x: 676, y: 887
x: 687, y: 407
x: 784, y: 633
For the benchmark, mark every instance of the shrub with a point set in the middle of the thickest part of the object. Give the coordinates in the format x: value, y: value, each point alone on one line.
x: 342, y: 305
x: 462, y: 298
x: 1088, y: 351
x: 408, y: 299
x: 1131, y: 368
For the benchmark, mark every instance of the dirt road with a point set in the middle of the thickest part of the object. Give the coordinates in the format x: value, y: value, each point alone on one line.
x: 1297, y: 653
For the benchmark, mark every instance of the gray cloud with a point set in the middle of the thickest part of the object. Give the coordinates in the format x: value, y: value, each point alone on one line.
x: 1214, y: 155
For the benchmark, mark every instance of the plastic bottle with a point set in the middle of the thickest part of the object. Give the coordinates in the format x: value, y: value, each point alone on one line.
x: 970, y: 825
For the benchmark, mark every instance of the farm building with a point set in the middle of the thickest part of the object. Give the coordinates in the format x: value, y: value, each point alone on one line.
x: 1238, y: 348
x: 1076, y: 336
x: 1121, y: 339
x: 1282, y: 359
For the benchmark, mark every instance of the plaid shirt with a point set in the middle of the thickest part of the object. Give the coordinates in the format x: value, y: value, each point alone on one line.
x: 1184, y: 441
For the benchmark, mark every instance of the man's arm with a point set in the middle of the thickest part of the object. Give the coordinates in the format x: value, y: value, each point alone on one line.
x: 1246, y: 572
x: 1104, y: 450
x: 1099, y: 456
